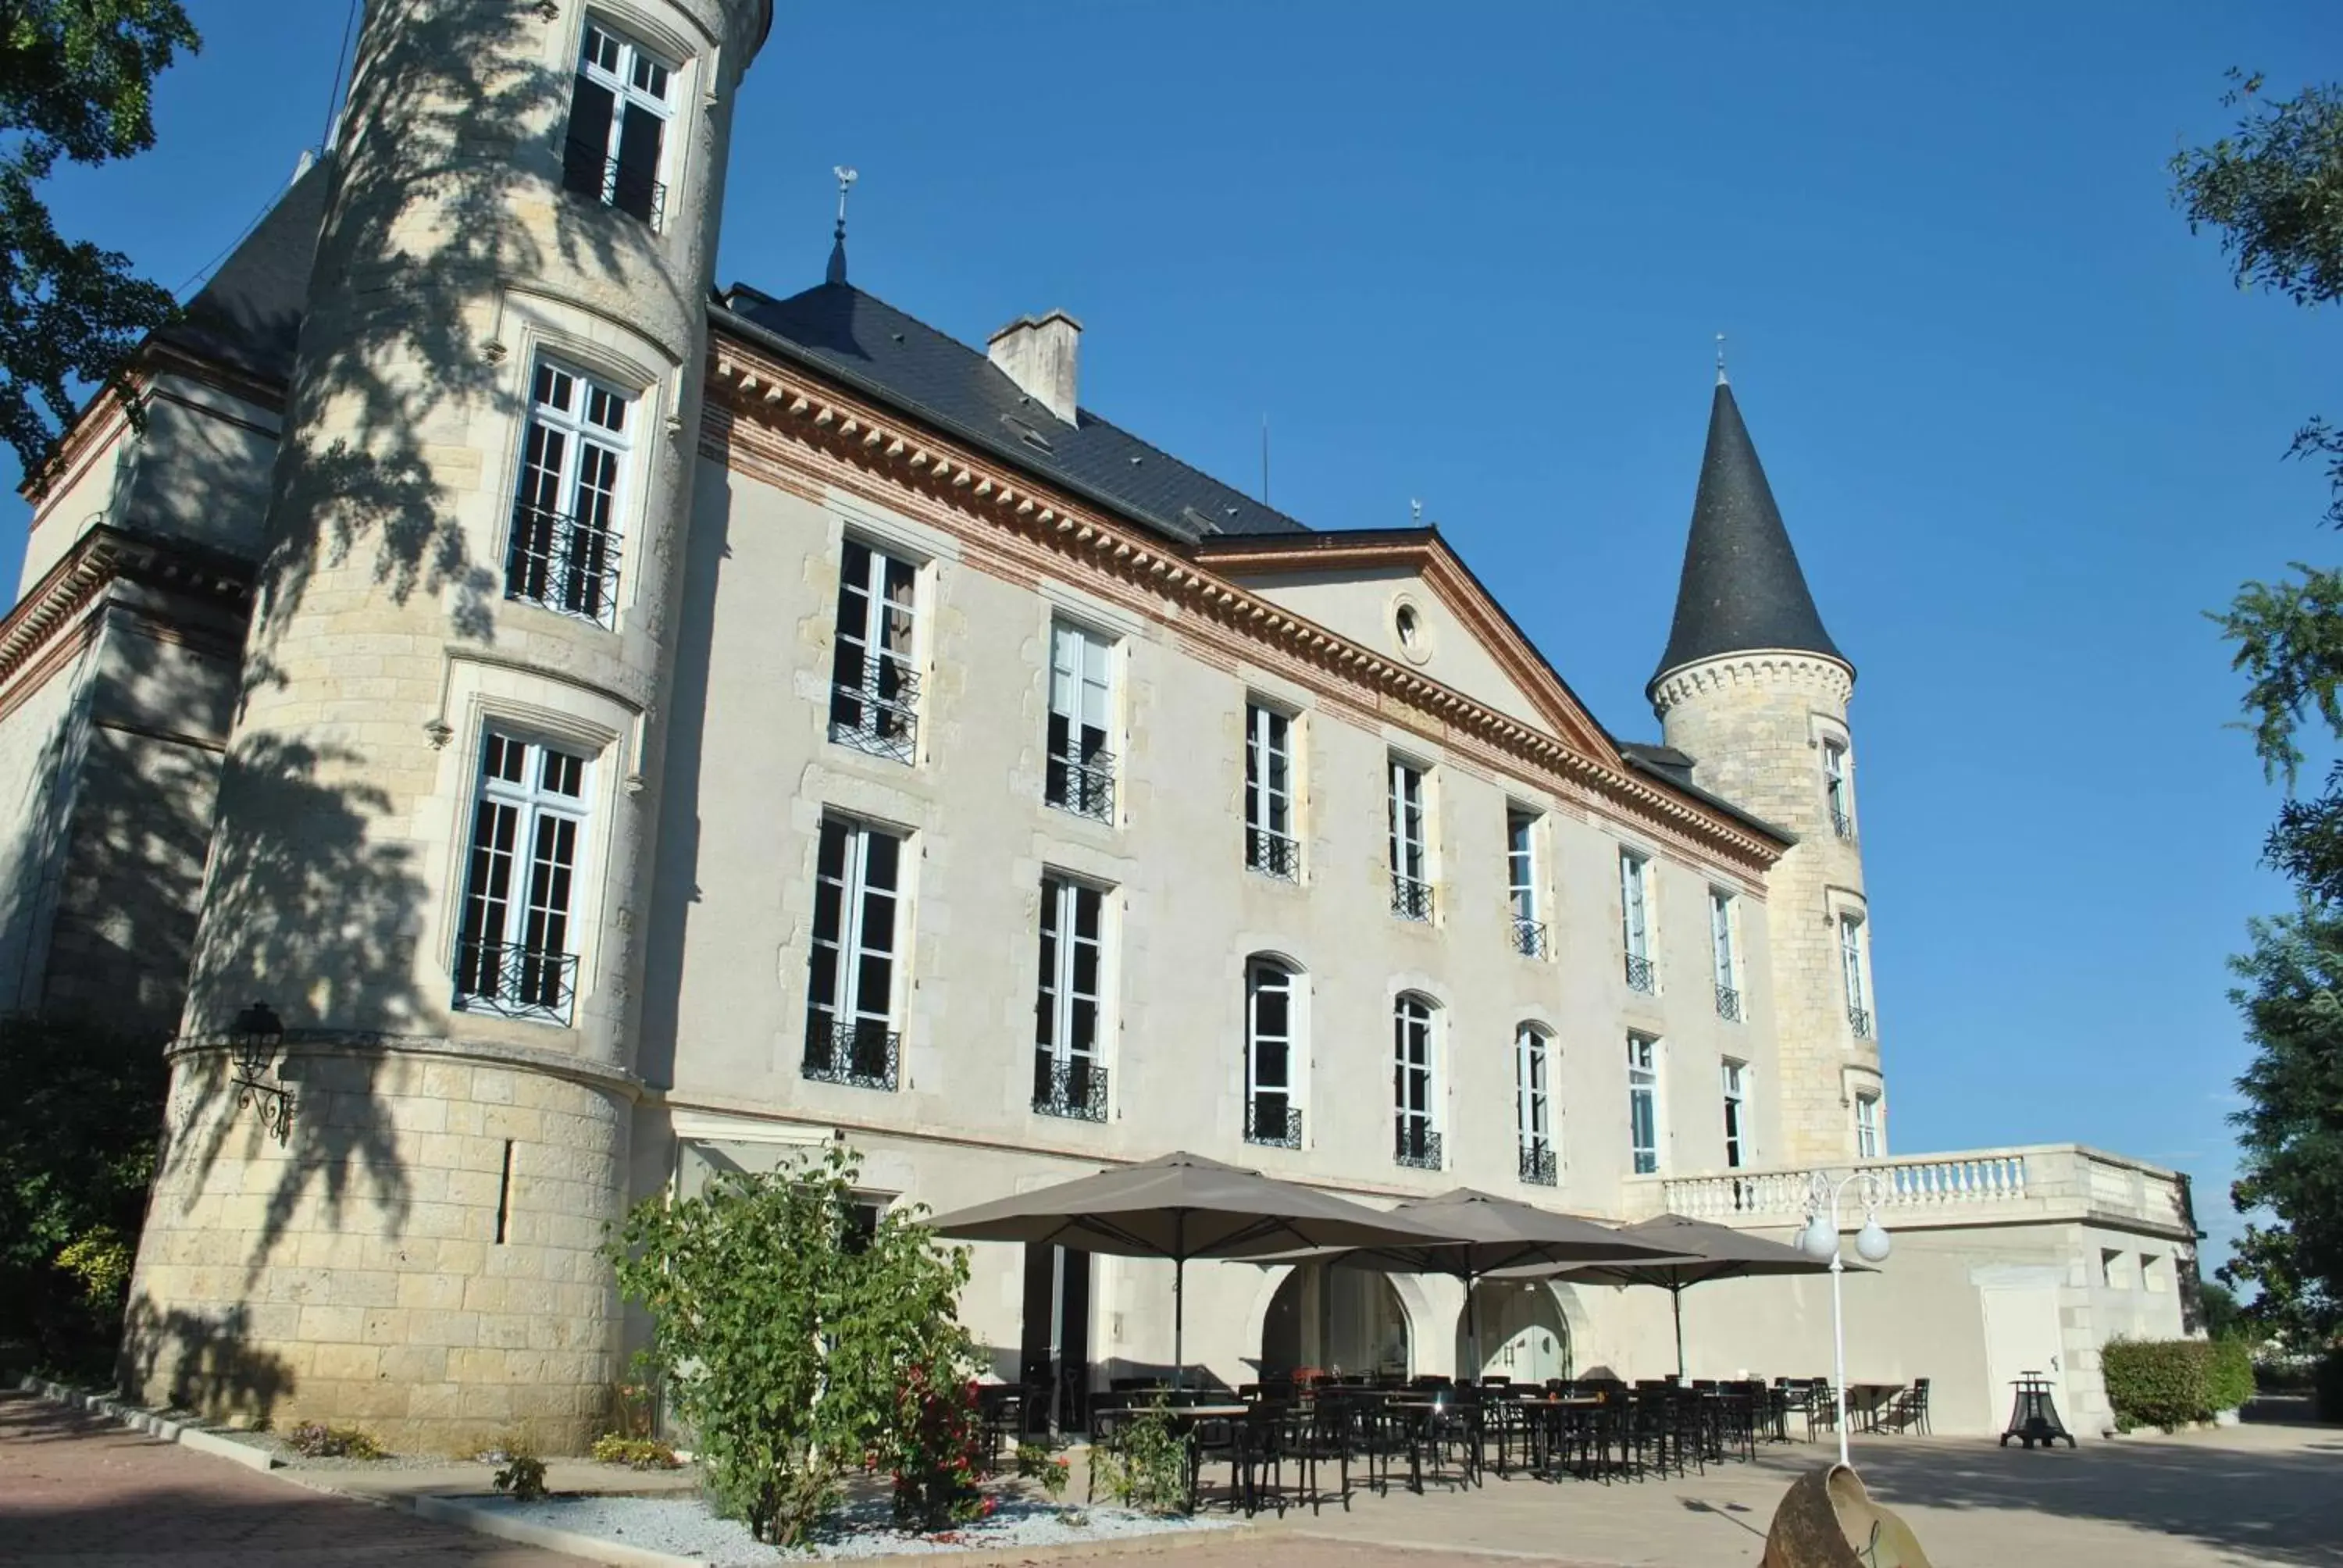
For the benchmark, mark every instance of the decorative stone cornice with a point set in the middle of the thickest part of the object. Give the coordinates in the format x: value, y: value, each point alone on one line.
x: 100, y: 556
x: 747, y: 384
x: 1774, y: 668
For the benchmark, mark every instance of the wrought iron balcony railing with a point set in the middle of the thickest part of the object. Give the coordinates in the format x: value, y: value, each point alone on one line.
x: 562, y: 562
x: 1529, y: 937
x: 1074, y: 1087
x: 881, y: 715
x: 515, y: 980
x: 1641, y: 975
x: 1417, y: 1146
x: 1858, y: 1019
x: 1841, y: 823
x: 1411, y: 897
x: 1540, y: 1167
x: 587, y: 169
x: 1728, y: 1003
x: 1273, y: 854
x: 862, y: 1053
x: 1274, y: 1120
x: 1085, y: 788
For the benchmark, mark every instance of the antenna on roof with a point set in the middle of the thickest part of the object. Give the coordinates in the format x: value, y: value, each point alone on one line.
x: 1720, y: 359
x: 1264, y: 459
x: 1414, y: 510
x: 846, y: 178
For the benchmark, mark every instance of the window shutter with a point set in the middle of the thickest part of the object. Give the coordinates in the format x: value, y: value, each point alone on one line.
x: 587, y: 150
x: 638, y: 161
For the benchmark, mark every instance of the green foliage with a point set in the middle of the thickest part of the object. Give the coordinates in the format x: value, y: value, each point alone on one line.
x: 77, y: 1142
x: 315, y: 1440
x: 2168, y: 1384
x: 780, y: 1331
x: 936, y: 1452
x: 77, y: 83
x: 634, y: 1453
x: 1036, y: 1463
x: 522, y: 1479
x: 2289, y: 645
x: 2228, y: 1373
x: 2219, y: 1312
x: 1145, y: 1466
x: 2274, y: 188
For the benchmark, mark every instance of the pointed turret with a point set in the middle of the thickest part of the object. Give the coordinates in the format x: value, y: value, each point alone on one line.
x: 1742, y: 589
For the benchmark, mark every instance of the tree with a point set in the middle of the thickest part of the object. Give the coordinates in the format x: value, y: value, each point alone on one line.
x: 76, y: 81
x: 2273, y: 189
x: 785, y: 1335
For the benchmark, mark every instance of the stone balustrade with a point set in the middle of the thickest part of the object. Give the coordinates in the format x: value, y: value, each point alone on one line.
x: 1969, y: 1187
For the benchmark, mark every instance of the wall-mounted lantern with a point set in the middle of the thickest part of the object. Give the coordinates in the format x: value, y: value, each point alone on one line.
x: 253, y: 1042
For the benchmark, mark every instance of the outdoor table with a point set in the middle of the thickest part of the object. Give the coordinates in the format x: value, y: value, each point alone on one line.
x: 1865, y: 1399
x: 1544, y: 1413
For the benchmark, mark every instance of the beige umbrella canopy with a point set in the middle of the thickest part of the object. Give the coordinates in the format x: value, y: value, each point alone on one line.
x: 1180, y: 1206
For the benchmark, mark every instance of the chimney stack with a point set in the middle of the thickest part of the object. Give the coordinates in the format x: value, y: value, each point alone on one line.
x: 1037, y: 352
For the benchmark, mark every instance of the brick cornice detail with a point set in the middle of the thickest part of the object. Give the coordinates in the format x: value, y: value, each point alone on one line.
x: 745, y: 384
x: 1772, y: 668
x: 100, y: 556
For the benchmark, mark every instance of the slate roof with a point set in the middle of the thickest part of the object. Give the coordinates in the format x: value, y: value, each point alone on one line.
x: 868, y: 343
x: 1742, y: 588
x: 248, y: 316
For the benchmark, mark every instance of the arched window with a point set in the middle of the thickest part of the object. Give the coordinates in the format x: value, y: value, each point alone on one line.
x: 1413, y: 1084
x: 1272, y: 1037
x: 1534, y: 1105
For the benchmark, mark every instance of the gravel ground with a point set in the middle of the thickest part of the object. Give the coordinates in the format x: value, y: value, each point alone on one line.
x: 689, y: 1528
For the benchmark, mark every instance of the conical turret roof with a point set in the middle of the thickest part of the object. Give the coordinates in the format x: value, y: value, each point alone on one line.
x: 1742, y: 589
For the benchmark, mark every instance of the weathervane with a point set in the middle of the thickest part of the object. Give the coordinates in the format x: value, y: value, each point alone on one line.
x: 1720, y: 359
x: 846, y: 178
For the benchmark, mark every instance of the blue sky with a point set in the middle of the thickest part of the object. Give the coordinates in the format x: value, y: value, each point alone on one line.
x: 2023, y: 428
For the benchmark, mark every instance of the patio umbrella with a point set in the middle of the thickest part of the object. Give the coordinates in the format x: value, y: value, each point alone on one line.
x: 1180, y: 1206
x: 1706, y: 1252
x: 1479, y: 1233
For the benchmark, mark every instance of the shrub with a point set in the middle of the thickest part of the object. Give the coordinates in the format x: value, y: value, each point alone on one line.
x: 634, y: 1453
x: 523, y: 1477
x: 935, y: 1464
x: 1036, y: 1463
x: 2228, y: 1373
x: 315, y: 1440
x: 2167, y: 1383
x: 1145, y: 1466
x: 778, y: 1325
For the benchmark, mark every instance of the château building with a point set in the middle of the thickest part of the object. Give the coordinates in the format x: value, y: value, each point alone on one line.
x: 622, y: 730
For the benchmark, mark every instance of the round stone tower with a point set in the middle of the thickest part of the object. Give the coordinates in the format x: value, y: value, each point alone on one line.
x: 1755, y: 692
x: 435, y: 809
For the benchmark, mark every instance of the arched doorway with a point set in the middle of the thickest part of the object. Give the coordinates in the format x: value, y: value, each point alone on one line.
x: 1523, y: 1334
x: 1334, y: 1319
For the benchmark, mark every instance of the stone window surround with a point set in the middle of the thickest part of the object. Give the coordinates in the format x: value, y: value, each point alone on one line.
x: 1055, y: 607
x: 1398, y: 754
x: 686, y: 59
x: 1543, y: 906
x: 1297, y: 720
x: 1532, y: 1021
x: 1824, y: 730
x: 1109, y: 968
x: 1839, y: 906
x: 1652, y: 860
x: 1299, y: 1058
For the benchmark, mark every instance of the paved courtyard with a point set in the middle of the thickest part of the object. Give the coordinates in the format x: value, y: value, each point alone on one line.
x: 77, y: 1489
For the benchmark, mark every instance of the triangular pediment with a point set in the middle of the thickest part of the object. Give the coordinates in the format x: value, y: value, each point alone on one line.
x: 1405, y: 595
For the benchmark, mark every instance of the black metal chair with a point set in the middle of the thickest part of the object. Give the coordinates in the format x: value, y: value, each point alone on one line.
x: 1909, y: 1410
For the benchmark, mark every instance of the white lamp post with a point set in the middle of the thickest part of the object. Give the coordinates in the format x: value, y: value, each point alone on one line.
x: 1819, y: 1240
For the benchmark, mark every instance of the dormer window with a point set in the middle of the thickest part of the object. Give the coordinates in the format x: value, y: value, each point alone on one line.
x: 618, y: 113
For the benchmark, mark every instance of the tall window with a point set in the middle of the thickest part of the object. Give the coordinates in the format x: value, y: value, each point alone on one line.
x: 1272, y: 1114
x: 563, y: 552
x: 1728, y: 963
x: 1068, y: 1080
x: 1418, y: 1141
x: 618, y: 111
x: 1736, y: 1099
x: 1836, y: 792
x: 1270, y: 846
x: 874, y: 684
x: 1409, y: 858
x: 528, y: 823
x: 1644, y: 1102
x: 1080, y: 769
x: 1850, y: 962
x: 1521, y: 883
x: 1532, y: 1107
x: 1866, y: 1127
x: 851, y: 994
x: 1635, y: 918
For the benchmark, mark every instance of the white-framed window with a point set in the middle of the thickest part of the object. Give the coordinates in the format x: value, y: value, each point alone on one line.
x: 1271, y: 847
x: 514, y: 949
x: 1722, y: 917
x: 1067, y: 1077
x: 1838, y: 789
x: 1635, y: 921
x: 1541, y: 1156
x: 1080, y: 770
x: 1851, y: 966
x: 564, y: 549
x: 1867, y: 1144
x: 1414, y: 1087
x: 874, y: 682
x: 1410, y: 855
x: 1522, y: 883
x: 1736, y: 1103
x: 1273, y: 1038
x: 615, y: 153
x: 851, y: 1036
x: 1644, y: 1102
